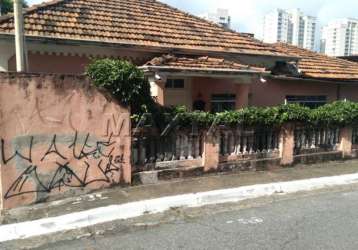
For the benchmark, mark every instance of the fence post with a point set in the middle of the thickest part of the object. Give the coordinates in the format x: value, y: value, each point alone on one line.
x: 287, y: 144
x: 211, y: 152
x: 346, y: 136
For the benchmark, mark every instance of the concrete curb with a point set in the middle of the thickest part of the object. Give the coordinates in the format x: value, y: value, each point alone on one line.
x: 134, y: 209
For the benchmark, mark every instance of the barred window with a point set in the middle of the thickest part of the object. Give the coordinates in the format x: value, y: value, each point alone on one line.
x: 174, y: 84
x: 223, y: 102
x: 308, y: 101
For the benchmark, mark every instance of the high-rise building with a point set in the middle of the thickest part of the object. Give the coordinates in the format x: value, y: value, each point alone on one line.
x: 340, y: 37
x: 221, y: 16
x: 290, y: 26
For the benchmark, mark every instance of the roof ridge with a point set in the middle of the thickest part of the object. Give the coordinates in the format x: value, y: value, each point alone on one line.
x: 33, y: 8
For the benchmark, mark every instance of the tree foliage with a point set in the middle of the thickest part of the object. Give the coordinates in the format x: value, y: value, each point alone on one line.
x: 7, y: 6
x: 124, y: 81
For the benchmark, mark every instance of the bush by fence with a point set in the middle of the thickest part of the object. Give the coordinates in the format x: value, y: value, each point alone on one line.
x: 340, y: 113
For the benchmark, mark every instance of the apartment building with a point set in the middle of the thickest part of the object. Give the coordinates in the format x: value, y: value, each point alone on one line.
x: 340, y: 37
x: 221, y: 16
x: 290, y: 26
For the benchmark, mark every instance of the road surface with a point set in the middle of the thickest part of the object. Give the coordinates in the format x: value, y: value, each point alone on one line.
x: 326, y: 220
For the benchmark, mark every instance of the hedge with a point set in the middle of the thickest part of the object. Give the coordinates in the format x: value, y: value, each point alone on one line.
x: 340, y: 113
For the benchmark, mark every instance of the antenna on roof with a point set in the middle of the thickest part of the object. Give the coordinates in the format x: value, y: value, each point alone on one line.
x: 21, y: 54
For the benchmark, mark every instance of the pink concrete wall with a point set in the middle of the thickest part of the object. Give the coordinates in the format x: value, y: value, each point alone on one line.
x: 271, y: 93
x: 209, y: 86
x: 58, y: 64
x: 70, y: 64
x: 349, y: 91
x: 59, y: 136
x: 274, y: 92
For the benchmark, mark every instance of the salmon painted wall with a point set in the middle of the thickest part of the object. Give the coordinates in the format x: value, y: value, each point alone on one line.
x: 71, y: 64
x: 209, y: 86
x: 271, y: 93
x: 349, y: 91
x: 59, y: 137
x: 274, y: 92
x: 59, y: 64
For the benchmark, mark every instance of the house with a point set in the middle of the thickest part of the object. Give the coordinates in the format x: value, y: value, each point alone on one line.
x: 188, y: 60
x: 318, y: 79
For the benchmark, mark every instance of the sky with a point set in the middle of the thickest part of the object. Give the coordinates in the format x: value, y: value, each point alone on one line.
x: 247, y: 15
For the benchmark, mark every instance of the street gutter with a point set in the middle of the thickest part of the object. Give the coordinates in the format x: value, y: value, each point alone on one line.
x: 106, y: 214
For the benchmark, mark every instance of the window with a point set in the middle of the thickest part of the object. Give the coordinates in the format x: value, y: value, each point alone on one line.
x: 175, y: 84
x: 223, y: 102
x: 308, y: 101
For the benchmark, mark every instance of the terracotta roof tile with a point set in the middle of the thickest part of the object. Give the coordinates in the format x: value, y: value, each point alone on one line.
x: 199, y: 63
x: 138, y: 22
x: 317, y: 65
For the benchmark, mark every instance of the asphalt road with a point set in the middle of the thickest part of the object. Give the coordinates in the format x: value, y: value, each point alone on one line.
x: 320, y: 221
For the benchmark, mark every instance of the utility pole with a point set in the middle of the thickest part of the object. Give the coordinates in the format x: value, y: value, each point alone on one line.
x: 21, y: 52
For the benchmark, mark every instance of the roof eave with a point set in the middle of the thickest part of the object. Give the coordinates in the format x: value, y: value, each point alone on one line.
x: 153, y: 48
x: 202, y: 72
x: 313, y: 79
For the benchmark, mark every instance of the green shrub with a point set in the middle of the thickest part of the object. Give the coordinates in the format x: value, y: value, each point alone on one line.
x: 124, y: 81
x: 292, y: 113
x: 339, y: 113
x: 335, y: 114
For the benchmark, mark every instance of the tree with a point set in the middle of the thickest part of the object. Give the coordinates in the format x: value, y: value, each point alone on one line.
x: 124, y: 81
x: 7, y: 6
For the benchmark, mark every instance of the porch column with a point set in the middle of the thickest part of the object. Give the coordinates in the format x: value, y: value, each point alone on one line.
x: 157, y: 89
x: 242, y: 95
x: 211, y: 152
x: 346, y: 136
x: 287, y: 144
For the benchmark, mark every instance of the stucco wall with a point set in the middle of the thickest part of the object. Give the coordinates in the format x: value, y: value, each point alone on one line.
x: 274, y: 92
x: 349, y: 92
x: 209, y: 86
x: 59, y: 136
x: 179, y: 97
x: 59, y: 64
x: 65, y: 58
x: 255, y: 93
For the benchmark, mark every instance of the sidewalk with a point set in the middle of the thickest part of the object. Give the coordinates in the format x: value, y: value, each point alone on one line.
x: 117, y: 196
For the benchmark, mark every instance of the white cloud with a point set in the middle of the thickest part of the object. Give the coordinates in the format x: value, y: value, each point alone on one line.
x: 30, y: 2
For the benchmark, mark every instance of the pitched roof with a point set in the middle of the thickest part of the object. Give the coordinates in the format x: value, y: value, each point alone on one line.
x: 319, y: 66
x: 172, y: 62
x: 132, y: 22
